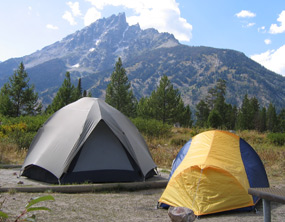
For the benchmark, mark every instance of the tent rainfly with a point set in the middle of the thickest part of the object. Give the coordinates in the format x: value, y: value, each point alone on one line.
x: 88, y: 140
x: 212, y: 173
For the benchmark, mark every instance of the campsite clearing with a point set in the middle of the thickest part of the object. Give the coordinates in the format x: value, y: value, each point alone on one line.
x: 116, y: 206
x: 123, y: 206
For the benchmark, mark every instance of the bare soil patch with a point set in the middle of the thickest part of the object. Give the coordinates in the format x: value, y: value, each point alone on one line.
x: 114, y: 206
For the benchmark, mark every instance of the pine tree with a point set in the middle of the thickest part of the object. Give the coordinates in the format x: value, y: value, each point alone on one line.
x: 165, y: 102
x: 215, y: 119
x: 18, y: 97
x: 65, y: 95
x: 244, y: 117
x: 185, y: 115
x: 271, y: 124
x: 219, y: 102
x: 230, y: 117
x: 202, y: 113
x: 281, y: 121
x: 261, y: 126
x: 216, y: 96
x: 119, y: 93
x: 215, y: 104
x: 254, y: 113
x: 5, y: 102
x: 78, y: 91
x: 144, y: 109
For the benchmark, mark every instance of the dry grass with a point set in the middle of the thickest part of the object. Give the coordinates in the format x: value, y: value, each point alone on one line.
x: 163, y: 155
x: 164, y: 150
x: 11, y: 154
x: 272, y: 156
x: 254, y: 138
x: 274, y: 162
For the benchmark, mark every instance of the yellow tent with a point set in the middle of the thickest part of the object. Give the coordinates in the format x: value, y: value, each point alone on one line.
x: 213, y: 175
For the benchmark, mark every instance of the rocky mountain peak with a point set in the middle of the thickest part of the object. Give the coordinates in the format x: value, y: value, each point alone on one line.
x: 112, y: 36
x: 92, y: 52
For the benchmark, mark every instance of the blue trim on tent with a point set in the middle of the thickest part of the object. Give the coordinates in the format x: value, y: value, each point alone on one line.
x: 254, y: 168
x: 180, y: 156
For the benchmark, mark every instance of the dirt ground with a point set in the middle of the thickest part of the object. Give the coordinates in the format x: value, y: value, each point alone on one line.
x: 111, y: 206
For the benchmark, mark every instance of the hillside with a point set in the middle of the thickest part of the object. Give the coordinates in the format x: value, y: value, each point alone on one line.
x: 91, y: 54
x: 195, y: 69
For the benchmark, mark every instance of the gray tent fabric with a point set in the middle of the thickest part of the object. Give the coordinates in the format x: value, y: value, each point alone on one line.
x: 88, y: 140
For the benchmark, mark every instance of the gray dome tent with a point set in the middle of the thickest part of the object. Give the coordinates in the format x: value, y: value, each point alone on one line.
x: 88, y: 140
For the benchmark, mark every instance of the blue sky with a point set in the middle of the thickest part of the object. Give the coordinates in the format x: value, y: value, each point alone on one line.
x: 254, y: 27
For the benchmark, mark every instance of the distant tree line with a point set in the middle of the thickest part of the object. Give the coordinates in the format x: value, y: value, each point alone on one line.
x: 17, y: 98
x: 214, y: 112
x: 165, y: 104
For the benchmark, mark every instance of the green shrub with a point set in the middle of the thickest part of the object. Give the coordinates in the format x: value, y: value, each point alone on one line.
x: 195, y: 131
x: 152, y: 127
x: 20, y: 130
x: 33, y: 123
x: 22, y: 139
x: 178, y: 142
x: 277, y: 138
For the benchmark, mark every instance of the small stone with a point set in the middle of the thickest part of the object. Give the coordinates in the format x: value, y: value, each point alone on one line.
x: 20, y: 182
x: 181, y: 214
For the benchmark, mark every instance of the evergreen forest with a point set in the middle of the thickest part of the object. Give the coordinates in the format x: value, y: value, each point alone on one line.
x: 22, y: 114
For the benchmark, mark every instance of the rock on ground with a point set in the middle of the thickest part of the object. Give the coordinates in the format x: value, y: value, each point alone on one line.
x: 181, y: 214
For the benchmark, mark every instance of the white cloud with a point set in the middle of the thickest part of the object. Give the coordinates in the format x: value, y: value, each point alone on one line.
x: 163, y: 15
x: 262, y: 29
x: 272, y: 59
x: 137, y: 5
x: 245, y: 14
x: 30, y: 10
x: 74, y: 8
x: 75, y: 12
x: 68, y: 17
x: 267, y: 41
x: 250, y: 24
x: 274, y: 28
x: 50, y: 26
x: 91, y: 16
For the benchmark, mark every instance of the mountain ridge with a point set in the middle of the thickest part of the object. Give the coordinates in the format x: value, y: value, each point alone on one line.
x: 91, y: 54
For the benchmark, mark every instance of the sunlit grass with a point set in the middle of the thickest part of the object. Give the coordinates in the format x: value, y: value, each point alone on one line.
x: 11, y: 154
x: 164, y: 150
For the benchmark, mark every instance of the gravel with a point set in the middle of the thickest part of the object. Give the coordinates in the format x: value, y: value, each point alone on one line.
x: 110, y: 205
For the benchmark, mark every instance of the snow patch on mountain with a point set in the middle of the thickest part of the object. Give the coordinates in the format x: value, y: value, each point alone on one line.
x: 76, y: 66
x: 98, y: 42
